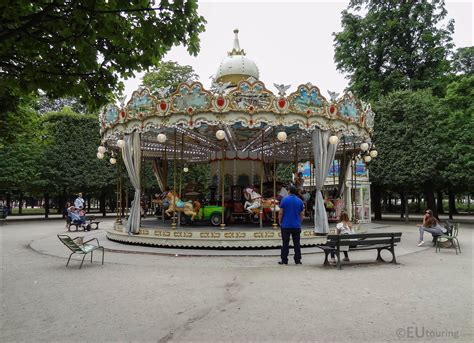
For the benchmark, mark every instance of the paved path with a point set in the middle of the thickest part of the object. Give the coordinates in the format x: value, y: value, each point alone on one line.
x: 155, y: 298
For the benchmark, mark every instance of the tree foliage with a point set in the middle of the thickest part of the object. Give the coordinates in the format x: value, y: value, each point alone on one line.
x: 407, y: 138
x: 68, y: 161
x: 463, y: 60
x: 82, y: 48
x: 168, y: 74
x: 395, y: 45
x: 457, y: 135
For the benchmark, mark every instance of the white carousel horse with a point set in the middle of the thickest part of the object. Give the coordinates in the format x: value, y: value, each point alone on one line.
x: 255, y: 201
x: 177, y: 205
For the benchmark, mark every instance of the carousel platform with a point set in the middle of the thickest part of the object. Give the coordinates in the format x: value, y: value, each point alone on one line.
x: 155, y: 232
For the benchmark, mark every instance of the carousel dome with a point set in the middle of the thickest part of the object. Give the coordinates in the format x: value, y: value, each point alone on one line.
x: 236, y: 66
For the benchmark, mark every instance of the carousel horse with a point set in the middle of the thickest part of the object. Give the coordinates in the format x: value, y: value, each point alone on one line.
x: 177, y: 205
x: 255, y: 201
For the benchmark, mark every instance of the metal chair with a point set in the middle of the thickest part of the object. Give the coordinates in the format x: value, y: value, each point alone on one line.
x: 78, y: 247
x: 453, y: 238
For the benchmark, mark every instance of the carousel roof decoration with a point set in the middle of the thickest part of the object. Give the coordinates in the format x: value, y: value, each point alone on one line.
x: 242, y: 106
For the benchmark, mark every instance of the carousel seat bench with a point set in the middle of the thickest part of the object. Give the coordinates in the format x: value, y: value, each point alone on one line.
x: 365, y: 241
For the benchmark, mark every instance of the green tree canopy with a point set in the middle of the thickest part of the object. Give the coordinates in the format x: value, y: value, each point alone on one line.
x: 168, y: 74
x: 68, y: 162
x: 82, y: 48
x: 407, y: 138
x: 391, y: 45
x: 457, y: 135
x: 463, y: 60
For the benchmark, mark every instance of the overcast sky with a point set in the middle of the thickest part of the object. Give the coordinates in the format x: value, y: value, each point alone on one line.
x: 291, y: 42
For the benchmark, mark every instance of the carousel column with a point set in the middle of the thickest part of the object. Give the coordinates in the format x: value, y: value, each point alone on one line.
x: 274, y: 225
x: 261, y: 184
x: 173, y: 224
x: 220, y: 135
x: 118, y: 203
x: 181, y: 164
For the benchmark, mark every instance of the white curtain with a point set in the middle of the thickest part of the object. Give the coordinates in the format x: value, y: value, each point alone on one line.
x: 324, y: 153
x: 131, y: 154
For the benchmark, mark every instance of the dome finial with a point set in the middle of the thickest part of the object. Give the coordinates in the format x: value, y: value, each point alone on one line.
x: 236, y: 50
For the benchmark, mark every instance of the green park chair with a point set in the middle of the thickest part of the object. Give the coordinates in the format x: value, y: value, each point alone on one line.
x: 79, y: 247
x: 453, y: 238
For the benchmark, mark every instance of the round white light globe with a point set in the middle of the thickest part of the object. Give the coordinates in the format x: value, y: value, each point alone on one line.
x: 161, y: 137
x: 373, y: 153
x: 220, y: 134
x: 185, y: 169
x: 120, y: 143
x: 282, y: 136
x: 367, y: 158
x: 333, y: 140
x: 100, y: 155
x: 112, y: 160
x: 364, y: 146
x: 101, y: 149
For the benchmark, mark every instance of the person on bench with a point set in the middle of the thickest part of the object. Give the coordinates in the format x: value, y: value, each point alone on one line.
x: 77, y: 219
x: 431, y: 225
x: 344, y: 227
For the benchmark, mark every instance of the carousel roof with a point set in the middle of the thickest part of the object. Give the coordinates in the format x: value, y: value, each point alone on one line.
x: 249, y: 113
x: 236, y: 66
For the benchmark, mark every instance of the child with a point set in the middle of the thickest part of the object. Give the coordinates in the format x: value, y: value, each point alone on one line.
x: 344, y: 227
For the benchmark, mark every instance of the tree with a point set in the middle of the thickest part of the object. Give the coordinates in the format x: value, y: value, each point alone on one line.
x: 463, y: 60
x: 68, y: 162
x: 168, y: 74
x: 407, y: 139
x: 82, y: 48
x: 20, y: 146
x: 457, y: 134
x: 395, y: 45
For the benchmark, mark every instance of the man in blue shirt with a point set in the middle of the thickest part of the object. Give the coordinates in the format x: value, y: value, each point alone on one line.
x: 290, y: 217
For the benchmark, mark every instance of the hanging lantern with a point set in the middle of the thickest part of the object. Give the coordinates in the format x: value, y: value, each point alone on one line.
x: 100, y: 155
x: 220, y: 134
x: 367, y: 158
x: 364, y: 146
x: 112, y: 160
x: 282, y: 136
x: 101, y: 149
x: 333, y: 140
x: 120, y: 143
x: 161, y: 138
x: 373, y: 153
x: 185, y: 169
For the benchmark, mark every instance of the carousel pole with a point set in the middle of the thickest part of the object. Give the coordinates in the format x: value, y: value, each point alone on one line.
x: 181, y: 174
x: 118, y: 203
x: 356, y: 217
x: 352, y: 184
x: 222, y: 187
x: 173, y: 224
x: 274, y: 225
x: 261, y: 184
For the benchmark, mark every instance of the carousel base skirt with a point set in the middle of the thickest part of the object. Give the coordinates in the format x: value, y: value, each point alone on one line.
x: 157, y: 233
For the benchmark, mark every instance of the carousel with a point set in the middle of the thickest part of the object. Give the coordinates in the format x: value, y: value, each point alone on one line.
x: 240, y: 133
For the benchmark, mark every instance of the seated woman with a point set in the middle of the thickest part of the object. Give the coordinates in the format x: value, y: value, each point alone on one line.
x: 76, y: 218
x: 431, y: 225
x: 344, y: 227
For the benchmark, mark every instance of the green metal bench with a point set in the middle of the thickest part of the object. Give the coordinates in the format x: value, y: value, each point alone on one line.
x: 78, y: 247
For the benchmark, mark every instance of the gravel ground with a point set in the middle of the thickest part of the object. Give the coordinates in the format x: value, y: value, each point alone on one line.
x: 155, y: 298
